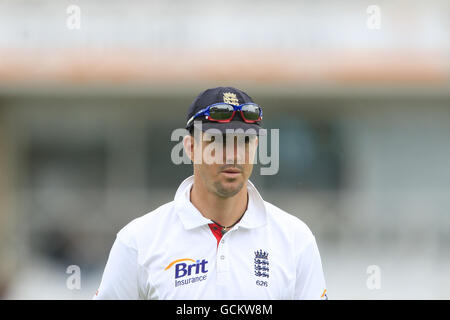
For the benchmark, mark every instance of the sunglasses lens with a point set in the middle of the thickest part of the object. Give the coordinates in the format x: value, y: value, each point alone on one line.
x: 251, y: 112
x: 221, y: 112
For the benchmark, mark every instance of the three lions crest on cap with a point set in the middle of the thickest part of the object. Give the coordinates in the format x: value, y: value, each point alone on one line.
x: 230, y: 98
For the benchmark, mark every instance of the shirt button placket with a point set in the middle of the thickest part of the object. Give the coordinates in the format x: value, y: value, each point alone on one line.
x: 222, y: 259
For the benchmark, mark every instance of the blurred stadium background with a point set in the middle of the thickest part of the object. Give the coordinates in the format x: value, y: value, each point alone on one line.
x: 364, y: 117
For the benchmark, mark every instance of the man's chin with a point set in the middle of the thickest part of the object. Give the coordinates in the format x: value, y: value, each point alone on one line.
x: 229, y: 187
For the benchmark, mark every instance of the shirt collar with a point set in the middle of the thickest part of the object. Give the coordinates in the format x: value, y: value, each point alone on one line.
x: 254, y: 217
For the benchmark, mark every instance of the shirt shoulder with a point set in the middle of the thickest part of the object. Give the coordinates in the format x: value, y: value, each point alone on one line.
x: 289, y: 224
x: 143, y: 229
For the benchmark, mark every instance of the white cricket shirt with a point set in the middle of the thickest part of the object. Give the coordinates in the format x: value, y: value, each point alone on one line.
x: 174, y: 252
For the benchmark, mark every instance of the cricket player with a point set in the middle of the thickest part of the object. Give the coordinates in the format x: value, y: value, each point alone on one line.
x: 218, y: 239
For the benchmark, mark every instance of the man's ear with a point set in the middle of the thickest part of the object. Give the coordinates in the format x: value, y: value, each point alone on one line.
x: 188, y: 144
x: 253, y: 149
x: 255, y: 141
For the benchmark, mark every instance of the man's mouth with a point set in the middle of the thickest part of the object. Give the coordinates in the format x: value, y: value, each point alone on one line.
x: 231, y: 172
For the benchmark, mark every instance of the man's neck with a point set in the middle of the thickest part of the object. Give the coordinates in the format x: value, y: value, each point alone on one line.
x: 224, y: 211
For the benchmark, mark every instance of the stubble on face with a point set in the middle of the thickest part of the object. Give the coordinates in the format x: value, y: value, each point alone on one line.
x: 229, y: 191
x: 216, y: 183
x: 224, y: 192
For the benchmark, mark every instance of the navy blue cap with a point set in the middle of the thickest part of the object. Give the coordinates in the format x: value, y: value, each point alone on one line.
x: 218, y: 95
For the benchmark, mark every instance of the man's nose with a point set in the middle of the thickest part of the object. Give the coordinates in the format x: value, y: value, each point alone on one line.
x: 234, y: 150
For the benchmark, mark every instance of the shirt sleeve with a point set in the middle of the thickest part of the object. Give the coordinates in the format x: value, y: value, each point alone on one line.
x: 120, y: 277
x: 310, y: 281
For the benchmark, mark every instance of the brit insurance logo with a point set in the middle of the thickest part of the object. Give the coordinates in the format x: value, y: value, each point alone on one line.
x: 188, y: 271
x: 262, y: 267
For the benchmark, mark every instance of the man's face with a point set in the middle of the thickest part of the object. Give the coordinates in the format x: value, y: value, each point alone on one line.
x: 227, y: 161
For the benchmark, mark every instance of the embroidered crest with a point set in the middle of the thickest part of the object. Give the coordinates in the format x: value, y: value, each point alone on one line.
x: 230, y: 98
x: 261, y: 264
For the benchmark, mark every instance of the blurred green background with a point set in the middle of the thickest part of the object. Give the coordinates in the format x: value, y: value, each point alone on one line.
x: 363, y: 111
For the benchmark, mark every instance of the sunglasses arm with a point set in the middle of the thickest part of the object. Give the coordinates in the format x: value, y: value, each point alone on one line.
x: 195, y: 116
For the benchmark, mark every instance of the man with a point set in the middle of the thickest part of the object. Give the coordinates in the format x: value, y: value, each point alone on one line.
x: 218, y: 239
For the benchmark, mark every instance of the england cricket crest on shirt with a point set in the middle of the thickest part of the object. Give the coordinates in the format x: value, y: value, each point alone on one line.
x: 261, y: 264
